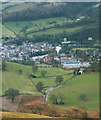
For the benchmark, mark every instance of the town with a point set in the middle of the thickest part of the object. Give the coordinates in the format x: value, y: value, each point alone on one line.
x: 43, y: 52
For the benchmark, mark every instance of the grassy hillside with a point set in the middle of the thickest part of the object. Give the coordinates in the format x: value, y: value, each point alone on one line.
x: 51, y: 19
x: 85, y: 83
x: 35, y: 26
x: 6, y: 32
x: 46, y: 26
x: 21, y: 115
x: 51, y: 76
x: 11, y: 78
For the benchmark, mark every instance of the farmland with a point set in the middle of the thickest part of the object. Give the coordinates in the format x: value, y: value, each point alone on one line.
x: 6, y: 32
x: 80, y: 84
x: 36, y: 26
x: 11, y: 78
x: 86, y: 83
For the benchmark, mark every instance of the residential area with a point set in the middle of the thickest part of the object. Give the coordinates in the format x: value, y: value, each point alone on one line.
x: 43, y: 52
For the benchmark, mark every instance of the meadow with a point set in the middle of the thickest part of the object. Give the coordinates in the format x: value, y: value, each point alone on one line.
x: 45, y: 26
x: 36, y: 25
x: 11, y: 78
x: 6, y: 32
x: 87, y: 84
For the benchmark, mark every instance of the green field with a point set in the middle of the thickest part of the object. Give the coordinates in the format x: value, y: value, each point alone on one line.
x: 6, y: 32
x: 32, y: 26
x: 51, y: 74
x: 11, y: 78
x: 45, y: 26
x: 57, y: 31
x: 85, y: 83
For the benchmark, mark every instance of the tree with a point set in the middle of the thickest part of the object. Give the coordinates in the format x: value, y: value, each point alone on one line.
x: 34, y: 68
x: 59, y: 79
x: 11, y: 93
x: 82, y: 97
x: 3, y: 65
x: 19, y: 71
x: 60, y: 97
x: 39, y: 86
x: 43, y: 73
x: 53, y: 98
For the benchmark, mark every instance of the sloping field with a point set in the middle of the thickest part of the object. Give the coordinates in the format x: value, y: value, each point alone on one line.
x: 11, y: 78
x: 87, y: 84
x: 35, y: 26
x: 6, y: 32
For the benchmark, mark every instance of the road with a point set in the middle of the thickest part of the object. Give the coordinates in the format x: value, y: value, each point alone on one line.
x: 49, y: 91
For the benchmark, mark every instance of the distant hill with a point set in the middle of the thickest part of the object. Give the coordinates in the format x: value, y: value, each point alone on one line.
x: 45, y: 10
x: 37, y: 22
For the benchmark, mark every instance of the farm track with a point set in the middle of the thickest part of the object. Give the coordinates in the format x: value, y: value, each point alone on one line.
x: 46, y: 97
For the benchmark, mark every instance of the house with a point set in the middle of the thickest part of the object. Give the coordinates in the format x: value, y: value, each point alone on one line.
x: 47, y: 60
x: 90, y: 38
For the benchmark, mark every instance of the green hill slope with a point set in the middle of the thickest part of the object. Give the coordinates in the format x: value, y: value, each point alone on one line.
x: 84, y: 84
x: 11, y: 78
x: 6, y: 32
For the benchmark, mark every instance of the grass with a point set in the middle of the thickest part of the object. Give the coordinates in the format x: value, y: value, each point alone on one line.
x: 6, y: 32
x: 44, y: 26
x: 51, y: 76
x: 16, y: 26
x: 34, y: 25
x: 85, y: 83
x: 82, y: 48
x: 57, y: 31
x: 21, y: 115
x: 11, y: 78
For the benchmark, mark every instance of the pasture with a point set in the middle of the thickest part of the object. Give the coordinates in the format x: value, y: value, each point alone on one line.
x: 6, y: 32
x: 84, y: 84
x: 39, y: 26
x: 11, y: 78
x: 45, y: 26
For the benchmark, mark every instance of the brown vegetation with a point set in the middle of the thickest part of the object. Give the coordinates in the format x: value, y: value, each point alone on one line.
x: 36, y: 105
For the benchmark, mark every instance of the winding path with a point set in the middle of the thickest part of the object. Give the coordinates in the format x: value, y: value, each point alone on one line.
x: 46, y: 97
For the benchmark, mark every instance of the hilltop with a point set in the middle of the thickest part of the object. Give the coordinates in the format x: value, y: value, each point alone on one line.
x: 51, y: 21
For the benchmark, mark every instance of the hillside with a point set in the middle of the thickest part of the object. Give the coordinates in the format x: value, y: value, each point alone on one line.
x: 17, y: 13
x: 51, y: 20
x: 84, y: 84
x: 6, y: 32
x: 11, y: 77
